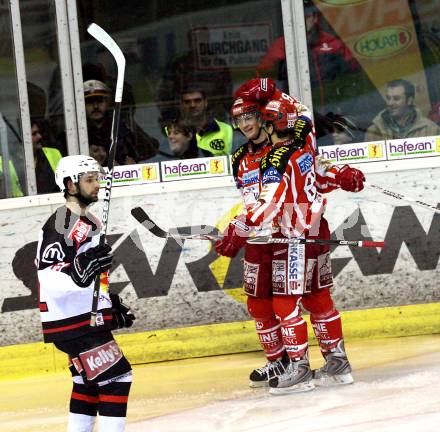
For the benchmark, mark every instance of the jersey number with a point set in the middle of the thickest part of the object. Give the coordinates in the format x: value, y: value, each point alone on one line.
x: 309, y: 186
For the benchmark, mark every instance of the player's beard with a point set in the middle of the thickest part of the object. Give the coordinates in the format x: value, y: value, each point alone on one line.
x: 85, y: 199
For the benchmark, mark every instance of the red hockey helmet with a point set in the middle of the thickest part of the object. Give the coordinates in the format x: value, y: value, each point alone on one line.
x: 243, y: 108
x: 281, y: 113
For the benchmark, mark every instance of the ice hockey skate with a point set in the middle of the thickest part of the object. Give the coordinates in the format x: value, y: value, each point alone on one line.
x: 297, y: 378
x: 260, y: 377
x: 336, y: 370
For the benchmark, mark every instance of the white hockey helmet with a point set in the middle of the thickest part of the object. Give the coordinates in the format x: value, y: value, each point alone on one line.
x: 73, y: 167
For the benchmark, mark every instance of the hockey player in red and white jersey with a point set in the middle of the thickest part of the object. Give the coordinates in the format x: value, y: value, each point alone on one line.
x: 260, y: 303
x: 69, y: 259
x: 257, y: 271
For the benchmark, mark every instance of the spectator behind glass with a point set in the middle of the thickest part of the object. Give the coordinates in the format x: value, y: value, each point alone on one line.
x: 400, y: 118
x: 214, y: 137
x: 99, y: 123
x: 274, y: 61
x: 45, y: 159
x: 335, y: 129
x: 434, y: 114
x: 181, y: 140
x: 343, y: 129
x: 186, y: 67
x: 99, y: 153
x: 14, y: 183
x: 145, y: 146
x: 331, y: 63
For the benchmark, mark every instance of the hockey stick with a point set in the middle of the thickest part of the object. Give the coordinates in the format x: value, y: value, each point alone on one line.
x: 284, y: 240
x: 105, y: 39
x: 403, y: 198
x: 139, y: 214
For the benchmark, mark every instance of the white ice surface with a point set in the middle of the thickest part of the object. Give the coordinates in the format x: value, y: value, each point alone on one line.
x: 400, y: 397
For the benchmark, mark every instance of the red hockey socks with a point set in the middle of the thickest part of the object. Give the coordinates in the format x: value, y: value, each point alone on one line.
x: 267, y: 326
x: 328, y: 330
x: 293, y: 326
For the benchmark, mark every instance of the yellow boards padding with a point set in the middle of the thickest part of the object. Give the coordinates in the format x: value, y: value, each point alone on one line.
x: 173, y: 344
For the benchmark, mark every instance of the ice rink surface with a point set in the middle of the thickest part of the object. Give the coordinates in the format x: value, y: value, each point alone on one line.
x: 403, y: 396
x: 397, y: 389
x: 399, y: 397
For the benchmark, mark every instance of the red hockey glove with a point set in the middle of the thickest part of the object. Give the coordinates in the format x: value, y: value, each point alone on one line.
x: 350, y: 179
x: 256, y: 89
x: 234, y: 238
x: 301, y: 128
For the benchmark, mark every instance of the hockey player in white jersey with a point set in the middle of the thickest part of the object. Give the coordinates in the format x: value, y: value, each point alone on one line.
x: 69, y: 259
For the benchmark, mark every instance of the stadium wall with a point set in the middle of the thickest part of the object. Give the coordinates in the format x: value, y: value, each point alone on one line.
x: 175, y: 288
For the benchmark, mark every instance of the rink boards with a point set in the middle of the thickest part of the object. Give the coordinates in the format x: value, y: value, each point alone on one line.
x: 179, y: 285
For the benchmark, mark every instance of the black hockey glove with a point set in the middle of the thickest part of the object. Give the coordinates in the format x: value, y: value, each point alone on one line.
x: 301, y: 128
x: 122, y: 316
x: 87, y: 265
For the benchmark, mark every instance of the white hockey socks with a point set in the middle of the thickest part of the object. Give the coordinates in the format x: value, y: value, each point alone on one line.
x: 80, y: 423
x: 111, y: 424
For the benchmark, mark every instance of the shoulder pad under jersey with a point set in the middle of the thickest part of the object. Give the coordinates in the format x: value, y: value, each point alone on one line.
x: 277, y: 158
x: 236, y: 158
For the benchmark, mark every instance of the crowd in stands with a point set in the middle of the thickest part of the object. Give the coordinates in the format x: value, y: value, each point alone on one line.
x: 193, y: 111
x: 192, y: 130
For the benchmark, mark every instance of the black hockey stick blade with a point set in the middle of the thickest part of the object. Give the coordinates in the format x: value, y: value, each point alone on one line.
x: 141, y: 216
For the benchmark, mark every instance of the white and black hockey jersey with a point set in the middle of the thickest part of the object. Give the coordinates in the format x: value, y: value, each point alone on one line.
x: 64, y: 306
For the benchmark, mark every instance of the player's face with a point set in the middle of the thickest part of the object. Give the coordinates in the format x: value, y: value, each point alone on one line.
x: 249, y: 124
x: 396, y: 100
x: 89, y: 186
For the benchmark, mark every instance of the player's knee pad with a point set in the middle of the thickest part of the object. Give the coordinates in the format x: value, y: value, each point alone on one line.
x: 286, y: 307
x: 260, y: 308
x: 113, y: 395
x: 319, y: 303
x: 83, y: 400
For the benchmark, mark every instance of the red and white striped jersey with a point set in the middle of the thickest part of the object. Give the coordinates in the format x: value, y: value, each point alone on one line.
x: 289, y: 198
x: 247, y: 175
x: 325, y: 175
x: 324, y: 171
